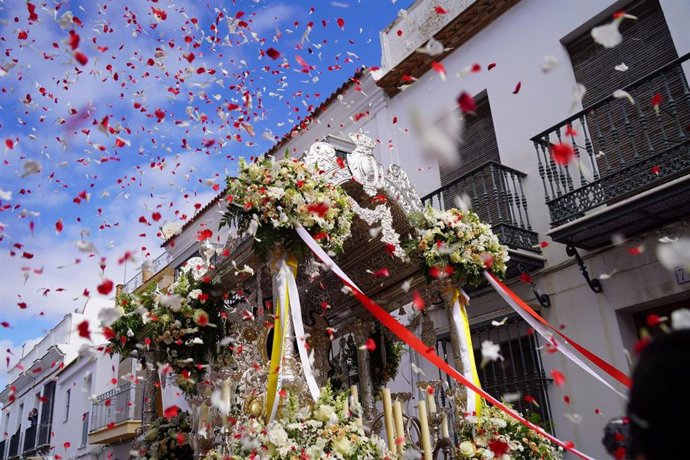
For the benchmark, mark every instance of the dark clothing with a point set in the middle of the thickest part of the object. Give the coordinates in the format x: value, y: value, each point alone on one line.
x: 659, y: 403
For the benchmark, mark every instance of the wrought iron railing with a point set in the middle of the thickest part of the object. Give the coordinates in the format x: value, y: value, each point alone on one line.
x: 497, y: 196
x: 620, y: 148
x: 44, y: 434
x: 116, y: 406
x: 14, y: 445
x: 158, y: 264
x: 30, y: 439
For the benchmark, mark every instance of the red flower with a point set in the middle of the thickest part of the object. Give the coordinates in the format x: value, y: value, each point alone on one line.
x: 439, y: 68
x: 204, y: 234
x: 108, y: 333
x: 273, y: 53
x: 171, y: 412
x: 382, y: 273
x: 318, y: 208
x: 83, y: 329
x: 562, y: 154
x: 370, y: 345
x: 558, y: 377
x: 498, y: 447
x: 654, y: 320
x: 105, y: 287
x: 81, y: 57
x: 417, y: 301
x: 466, y: 103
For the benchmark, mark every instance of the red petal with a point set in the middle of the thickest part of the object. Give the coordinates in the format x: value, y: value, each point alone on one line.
x: 517, y: 87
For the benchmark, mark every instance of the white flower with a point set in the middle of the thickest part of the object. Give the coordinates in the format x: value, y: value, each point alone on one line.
x: 490, y: 351
x: 467, y: 449
x: 342, y: 445
x: 608, y: 35
x: 680, y: 319
x: 488, y: 454
x: 277, y: 436
x: 194, y: 294
x: 170, y: 229
x: 325, y: 413
x: 172, y: 301
x: 499, y: 422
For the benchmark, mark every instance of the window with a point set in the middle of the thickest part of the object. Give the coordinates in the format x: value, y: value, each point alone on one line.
x: 520, y: 371
x: 68, y: 395
x: 646, y: 46
x: 617, y: 129
x: 478, y: 144
x: 84, y: 429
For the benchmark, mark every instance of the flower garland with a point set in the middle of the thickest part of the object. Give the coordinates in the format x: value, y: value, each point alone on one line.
x: 271, y: 197
x: 495, y: 435
x: 180, y: 324
x: 454, y: 243
x: 327, y: 430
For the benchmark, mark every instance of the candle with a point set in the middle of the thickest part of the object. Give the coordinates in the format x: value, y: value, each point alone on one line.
x: 203, y: 416
x: 388, y: 418
x: 430, y: 400
x: 424, y: 429
x: 354, y: 395
x: 225, y: 395
x: 444, y: 426
x: 399, y: 427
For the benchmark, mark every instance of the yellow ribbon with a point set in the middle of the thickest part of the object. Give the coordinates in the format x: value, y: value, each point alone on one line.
x: 466, y: 336
x: 281, y: 316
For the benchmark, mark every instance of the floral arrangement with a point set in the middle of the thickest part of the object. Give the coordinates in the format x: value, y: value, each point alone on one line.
x: 496, y: 435
x: 326, y: 430
x: 271, y: 197
x: 181, y: 324
x: 168, y: 439
x: 457, y: 244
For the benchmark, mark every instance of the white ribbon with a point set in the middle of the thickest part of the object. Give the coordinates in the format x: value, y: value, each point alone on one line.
x: 544, y: 332
x: 465, y: 350
x: 296, y: 312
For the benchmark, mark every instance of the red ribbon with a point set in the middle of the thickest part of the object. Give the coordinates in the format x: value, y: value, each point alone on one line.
x: 596, y: 360
x: 430, y: 355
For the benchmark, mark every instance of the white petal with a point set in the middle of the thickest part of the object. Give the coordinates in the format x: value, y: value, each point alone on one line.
x: 607, y: 35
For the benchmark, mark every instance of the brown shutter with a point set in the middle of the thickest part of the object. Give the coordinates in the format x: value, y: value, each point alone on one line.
x: 646, y: 46
x: 479, y: 143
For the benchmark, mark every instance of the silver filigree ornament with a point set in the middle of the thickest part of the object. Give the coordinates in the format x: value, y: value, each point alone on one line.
x: 381, y: 213
x: 197, y: 266
x: 365, y: 169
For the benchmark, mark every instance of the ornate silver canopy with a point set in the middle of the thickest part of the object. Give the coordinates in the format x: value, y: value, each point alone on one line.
x: 362, y: 166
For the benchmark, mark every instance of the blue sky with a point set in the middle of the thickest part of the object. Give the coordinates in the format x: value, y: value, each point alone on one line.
x: 165, y: 99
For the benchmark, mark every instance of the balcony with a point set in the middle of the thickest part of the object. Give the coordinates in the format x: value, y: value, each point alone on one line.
x: 29, y: 439
x: 44, y: 434
x: 116, y: 415
x: 147, y: 277
x: 631, y: 162
x: 497, y: 196
x: 14, y: 445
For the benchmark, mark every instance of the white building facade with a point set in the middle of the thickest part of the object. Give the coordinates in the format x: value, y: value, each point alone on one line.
x: 60, y: 378
x: 521, y: 61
